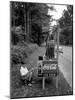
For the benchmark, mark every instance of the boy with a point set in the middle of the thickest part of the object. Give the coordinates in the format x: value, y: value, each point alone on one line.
x: 26, y: 76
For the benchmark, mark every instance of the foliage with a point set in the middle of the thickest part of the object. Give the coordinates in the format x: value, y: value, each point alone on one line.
x: 18, y: 54
x: 66, y: 24
x: 29, y: 15
x: 21, y: 51
x: 67, y: 18
x: 17, y: 35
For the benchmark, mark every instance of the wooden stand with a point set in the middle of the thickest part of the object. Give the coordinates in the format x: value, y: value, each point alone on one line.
x: 53, y: 62
x: 57, y: 82
x: 43, y: 83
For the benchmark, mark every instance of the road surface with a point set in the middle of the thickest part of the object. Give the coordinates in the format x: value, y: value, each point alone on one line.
x: 65, y: 64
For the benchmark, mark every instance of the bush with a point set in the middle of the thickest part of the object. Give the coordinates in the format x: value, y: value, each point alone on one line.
x: 18, y: 54
x: 21, y: 51
x: 17, y: 35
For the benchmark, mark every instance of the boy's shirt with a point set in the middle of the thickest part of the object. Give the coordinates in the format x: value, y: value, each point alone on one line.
x: 23, y: 71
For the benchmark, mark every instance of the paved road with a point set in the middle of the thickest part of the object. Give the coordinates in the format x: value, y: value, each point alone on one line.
x: 65, y: 62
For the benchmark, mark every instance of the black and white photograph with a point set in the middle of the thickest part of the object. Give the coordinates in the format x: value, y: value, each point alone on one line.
x: 41, y: 49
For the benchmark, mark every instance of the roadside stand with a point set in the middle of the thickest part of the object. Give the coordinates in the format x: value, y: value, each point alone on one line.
x: 48, y: 64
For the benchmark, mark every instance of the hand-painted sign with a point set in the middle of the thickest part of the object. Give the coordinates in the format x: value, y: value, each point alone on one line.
x: 48, y: 68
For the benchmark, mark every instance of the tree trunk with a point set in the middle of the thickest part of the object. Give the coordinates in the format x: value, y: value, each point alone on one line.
x: 14, y: 14
x: 28, y: 22
x: 25, y: 19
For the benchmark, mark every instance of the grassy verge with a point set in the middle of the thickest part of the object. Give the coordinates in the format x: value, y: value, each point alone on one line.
x: 19, y: 56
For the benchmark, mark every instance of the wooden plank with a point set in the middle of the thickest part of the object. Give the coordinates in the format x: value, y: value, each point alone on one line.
x: 57, y: 58
x: 43, y: 82
x: 49, y: 71
x: 49, y: 62
x: 57, y: 82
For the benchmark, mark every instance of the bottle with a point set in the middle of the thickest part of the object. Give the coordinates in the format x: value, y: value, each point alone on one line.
x: 40, y: 65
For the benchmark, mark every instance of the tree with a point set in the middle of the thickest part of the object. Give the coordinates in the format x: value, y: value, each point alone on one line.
x: 39, y: 19
x: 67, y: 17
x: 29, y: 15
x: 66, y: 24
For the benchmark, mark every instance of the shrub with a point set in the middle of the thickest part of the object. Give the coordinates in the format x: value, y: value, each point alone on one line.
x: 21, y: 51
x: 18, y: 54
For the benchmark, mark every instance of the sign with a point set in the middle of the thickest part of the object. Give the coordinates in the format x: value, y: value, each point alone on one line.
x: 49, y: 68
x: 53, y: 61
